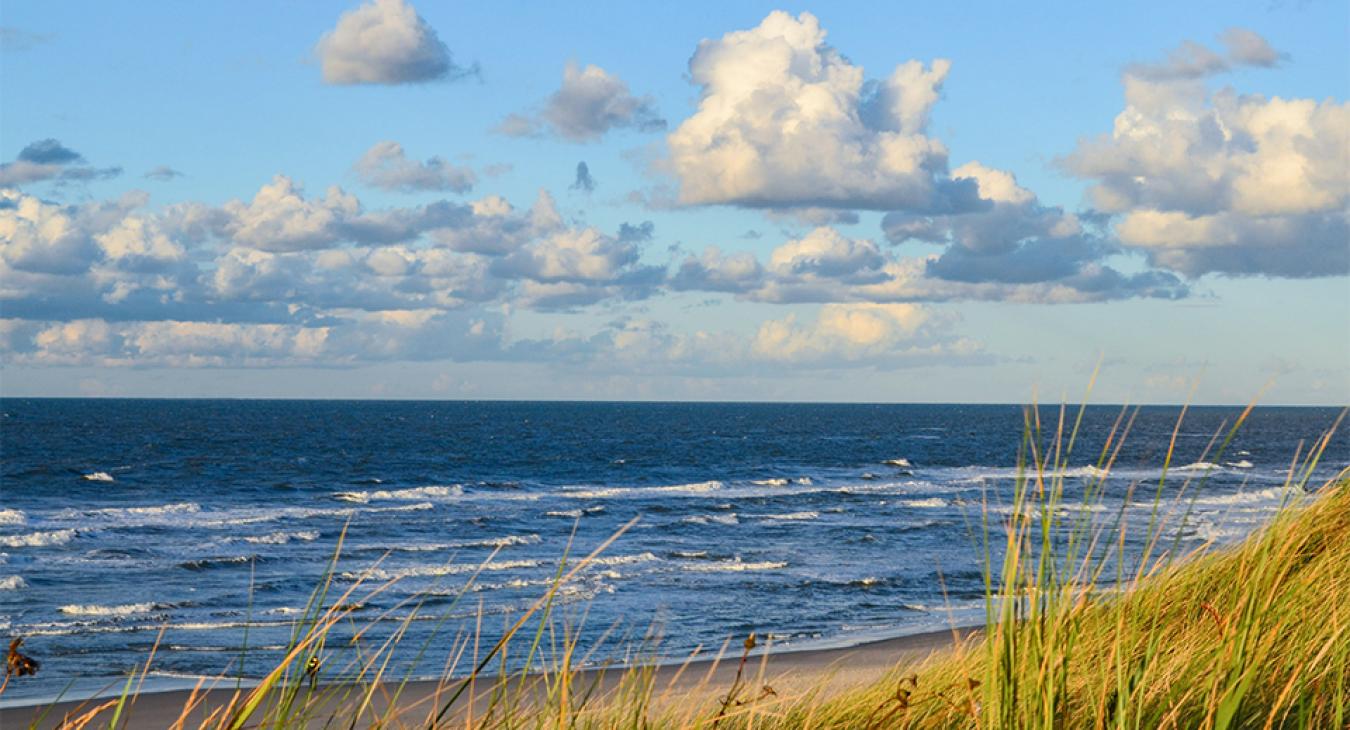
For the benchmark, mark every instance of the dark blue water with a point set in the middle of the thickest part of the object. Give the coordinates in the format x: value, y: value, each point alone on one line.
x: 121, y: 517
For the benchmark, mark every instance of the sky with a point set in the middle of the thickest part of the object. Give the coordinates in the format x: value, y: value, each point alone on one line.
x: 878, y: 202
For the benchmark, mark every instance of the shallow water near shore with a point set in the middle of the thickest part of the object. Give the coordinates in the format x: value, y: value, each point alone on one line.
x: 822, y: 525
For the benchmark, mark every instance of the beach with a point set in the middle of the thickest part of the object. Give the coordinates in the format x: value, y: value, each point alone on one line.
x: 693, y: 680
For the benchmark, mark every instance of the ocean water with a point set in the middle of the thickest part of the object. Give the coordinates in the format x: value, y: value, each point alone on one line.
x: 816, y: 524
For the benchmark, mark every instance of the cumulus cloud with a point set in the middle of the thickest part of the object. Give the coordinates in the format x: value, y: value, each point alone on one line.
x: 385, y: 42
x: 385, y: 165
x: 590, y: 103
x: 1224, y: 182
x: 785, y: 120
x: 48, y: 159
x: 824, y: 266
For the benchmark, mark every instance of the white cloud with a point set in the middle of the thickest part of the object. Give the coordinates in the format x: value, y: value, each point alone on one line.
x: 1222, y: 182
x: 385, y: 165
x: 590, y: 103
x: 825, y: 252
x: 785, y: 120
x: 280, y: 218
x: 384, y: 42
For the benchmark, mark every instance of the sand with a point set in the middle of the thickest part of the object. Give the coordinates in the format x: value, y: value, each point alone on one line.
x: 700, y: 680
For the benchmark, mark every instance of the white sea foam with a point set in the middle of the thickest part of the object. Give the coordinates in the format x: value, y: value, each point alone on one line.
x: 436, y: 571
x: 281, y: 538
x: 791, y: 516
x: 729, y: 519
x: 1241, y: 464
x: 732, y: 566
x: 1199, y: 466
x: 176, y: 508
x: 12, y: 517
x: 624, y: 559
x: 612, y: 492
x: 12, y: 583
x: 435, y: 492
x: 42, y: 538
x: 931, y: 502
x: 1272, y: 496
x: 98, y: 476
x: 569, y: 513
x: 898, y: 462
x: 126, y: 609
x: 777, y: 482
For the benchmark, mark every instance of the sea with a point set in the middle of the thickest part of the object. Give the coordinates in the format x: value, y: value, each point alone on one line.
x: 199, y: 529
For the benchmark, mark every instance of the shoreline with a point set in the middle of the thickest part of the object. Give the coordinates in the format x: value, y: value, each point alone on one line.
x: 838, y: 667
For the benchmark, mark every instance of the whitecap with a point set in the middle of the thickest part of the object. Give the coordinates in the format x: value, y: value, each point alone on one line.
x: 730, y: 519
x: 281, y: 538
x: 175, y: 508
x: 930, y: 502
x: 610, y: 492
x: 12, y: 517
x: 1271, y: 496
x: 1241, y: 464
x: 624, y: 559
x: 98, y: 476
x: 126, y: 609
x: 733, y: 566
x: 791, y: 516
x: 439, y: 492
x: 45, y: 538
x: 436, y: 571
x: 898, y: 462
x: 12, y: 583
x: 1199, y: 466
x: 777, y: 482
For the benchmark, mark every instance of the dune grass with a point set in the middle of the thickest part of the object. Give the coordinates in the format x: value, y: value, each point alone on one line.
x: 1078, y: 633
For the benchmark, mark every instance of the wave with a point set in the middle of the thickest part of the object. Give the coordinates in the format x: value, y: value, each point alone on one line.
x: 281, y: 538
x: 576, y: 513
x: 733, y: 566
x: 1199, y: 466
x: 126, y: 609
x: 12, y: 517
x: 43, y: 538
x: 1240, y: 464
x: 776, y: 482
x: 436, y: 571
x: 791, y: 516
x: 98, y: 476
x: 491, y: 542
x: 729, y: 519
x: 1272, y: 496
x: 402, y: 495
x: 930, y: 502
x: 625, y: 559
x: 640, y: 492
x: 12, y: 583
x: 210, y: 563
x: 898, y: 462
x: 176, y: 508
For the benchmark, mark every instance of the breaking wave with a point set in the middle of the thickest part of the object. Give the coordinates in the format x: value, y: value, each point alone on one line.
x: 438, y: 492
x: 126, y: 609
x: 98, y: 476
x: 43, y: 538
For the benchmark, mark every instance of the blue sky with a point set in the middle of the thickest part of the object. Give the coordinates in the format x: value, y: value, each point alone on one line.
x: 846, y: 202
